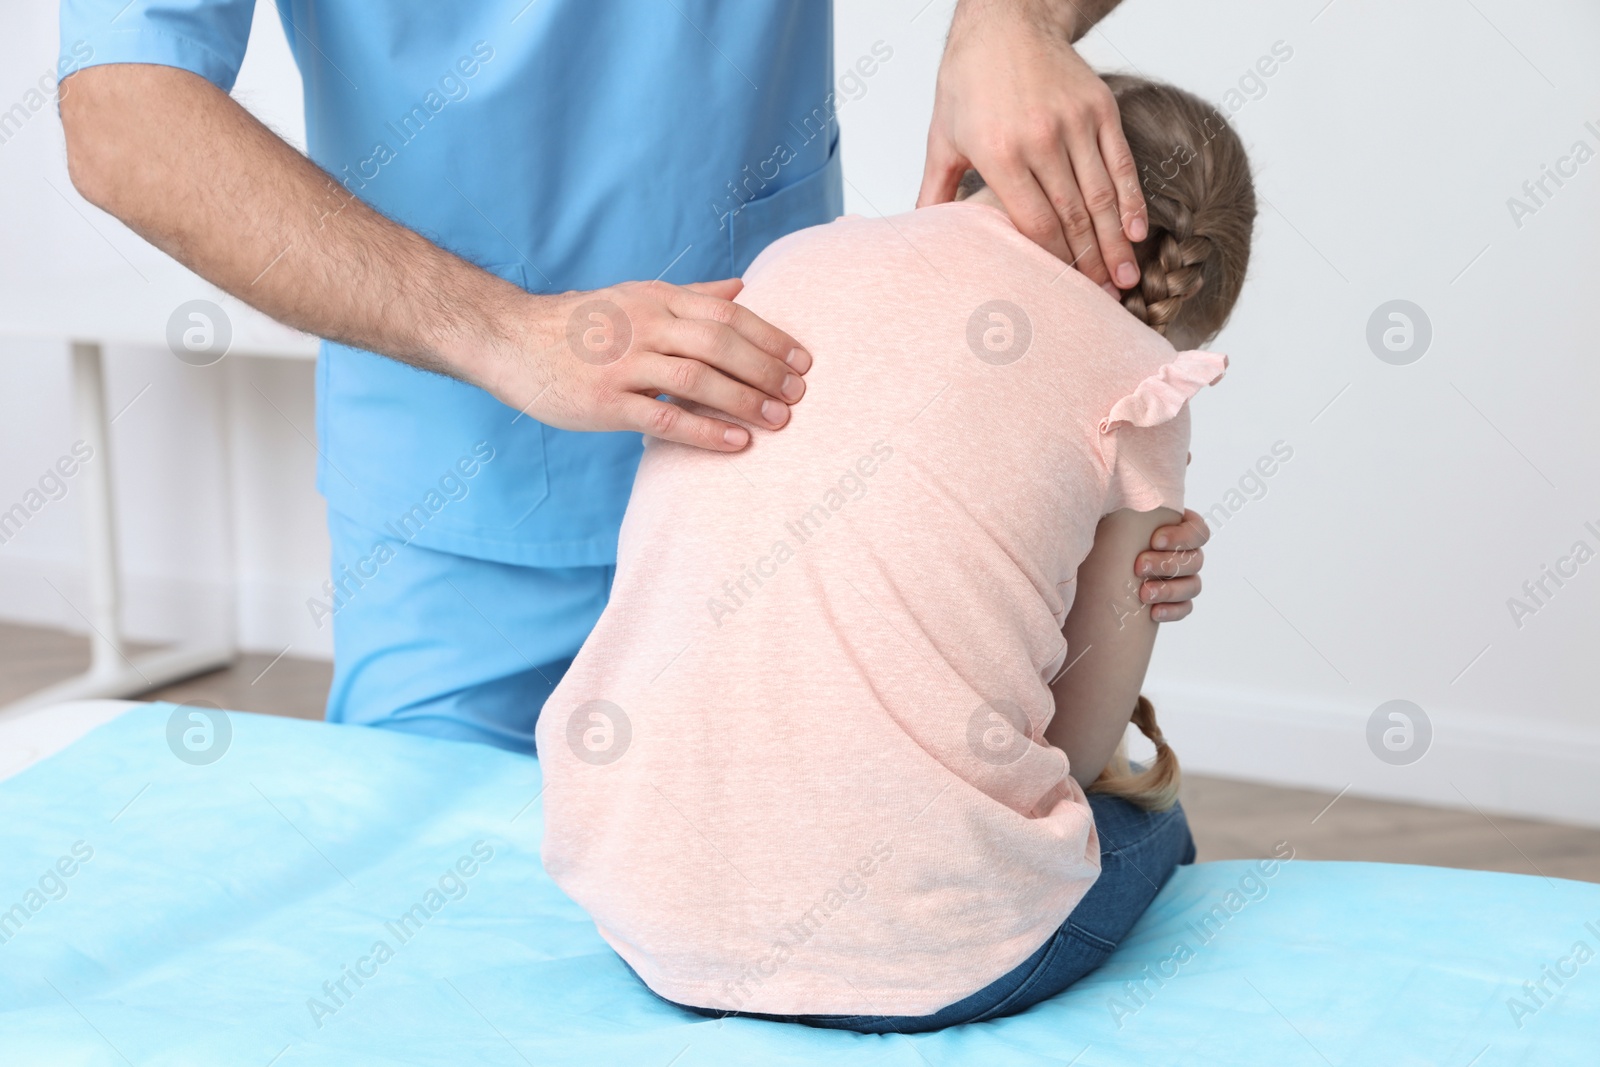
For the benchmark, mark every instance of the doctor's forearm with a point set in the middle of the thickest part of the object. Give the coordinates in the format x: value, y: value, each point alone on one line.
x: 1073, y: 18
x: 195, y: 174
x: 200, y: 178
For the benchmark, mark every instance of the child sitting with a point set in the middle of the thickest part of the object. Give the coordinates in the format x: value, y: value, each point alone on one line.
x: 825, y: 756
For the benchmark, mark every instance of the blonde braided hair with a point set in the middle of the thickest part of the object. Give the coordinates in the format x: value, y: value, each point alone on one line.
x: 1170, y: 272
x: 1156, y: 787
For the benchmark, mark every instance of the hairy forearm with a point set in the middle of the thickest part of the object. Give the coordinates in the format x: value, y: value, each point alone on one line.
x: 1070, y: 18
x: 1110, y: 637
x: 188, y: 169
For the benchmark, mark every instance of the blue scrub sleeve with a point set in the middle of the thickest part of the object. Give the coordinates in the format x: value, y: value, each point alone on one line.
x: 206, y: 37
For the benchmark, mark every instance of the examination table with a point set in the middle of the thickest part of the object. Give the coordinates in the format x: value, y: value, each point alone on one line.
x: 247, y: 890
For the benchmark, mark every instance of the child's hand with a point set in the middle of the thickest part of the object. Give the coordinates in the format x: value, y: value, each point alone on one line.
x: 1015, y: 103
x: 1169, y: 574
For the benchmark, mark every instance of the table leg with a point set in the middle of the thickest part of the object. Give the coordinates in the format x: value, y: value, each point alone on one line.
x: 106, y: 652
x: 112, y: 671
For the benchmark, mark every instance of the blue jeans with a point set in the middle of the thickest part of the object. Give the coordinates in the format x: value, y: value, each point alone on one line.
x: 1138, y: 852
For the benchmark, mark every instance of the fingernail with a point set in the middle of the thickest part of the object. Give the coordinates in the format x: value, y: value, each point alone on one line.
x: 792, y: 388
x: 1147, y: 569
x: 799, y: 359
x: 1127, y: 275
x: 774, y: 412
x: 735, y: 436
x: 1162, y: 541
x: 1137, y: 230
x: 1112, y: 291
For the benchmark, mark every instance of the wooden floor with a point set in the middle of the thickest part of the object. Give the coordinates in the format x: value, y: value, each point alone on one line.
x: 1230, y: 819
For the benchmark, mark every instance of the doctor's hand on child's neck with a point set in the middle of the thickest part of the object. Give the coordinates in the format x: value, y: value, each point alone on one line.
x: 1201, y: 203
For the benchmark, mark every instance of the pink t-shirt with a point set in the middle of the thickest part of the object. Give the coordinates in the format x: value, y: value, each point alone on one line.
x: 782, y: 775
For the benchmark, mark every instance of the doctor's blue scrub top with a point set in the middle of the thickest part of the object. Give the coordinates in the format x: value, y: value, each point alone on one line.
x: 560, y: 144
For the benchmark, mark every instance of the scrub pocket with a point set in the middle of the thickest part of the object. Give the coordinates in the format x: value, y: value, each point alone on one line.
x: 812, y: 200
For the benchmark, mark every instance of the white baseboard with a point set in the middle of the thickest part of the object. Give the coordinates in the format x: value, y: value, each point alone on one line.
x: 1510, y: 766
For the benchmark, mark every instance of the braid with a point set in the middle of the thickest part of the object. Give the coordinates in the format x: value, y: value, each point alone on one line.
x: 1171, y: 270
x: 1156, y: 787
x: 1201, y: 205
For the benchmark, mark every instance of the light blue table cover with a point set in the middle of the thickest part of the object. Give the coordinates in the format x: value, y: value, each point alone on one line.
x: 220, y: 903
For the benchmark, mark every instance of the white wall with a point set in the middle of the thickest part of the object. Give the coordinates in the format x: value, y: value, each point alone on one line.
x: 1379, y: 561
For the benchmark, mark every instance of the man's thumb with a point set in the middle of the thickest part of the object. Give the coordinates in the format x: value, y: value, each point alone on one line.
x: 941, y: 175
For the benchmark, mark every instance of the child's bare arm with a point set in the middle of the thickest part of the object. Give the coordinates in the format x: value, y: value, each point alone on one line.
x: 1110, y: 636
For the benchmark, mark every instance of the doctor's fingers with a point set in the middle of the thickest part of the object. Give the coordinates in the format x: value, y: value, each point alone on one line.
x: 696, y: 302
x: 692, y: 380
x: 1096, y: 195
x: 657, y: 418
x: 715, y: 351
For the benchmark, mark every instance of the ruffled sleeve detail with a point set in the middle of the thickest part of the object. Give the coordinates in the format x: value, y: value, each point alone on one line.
x: 1162, y: 395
